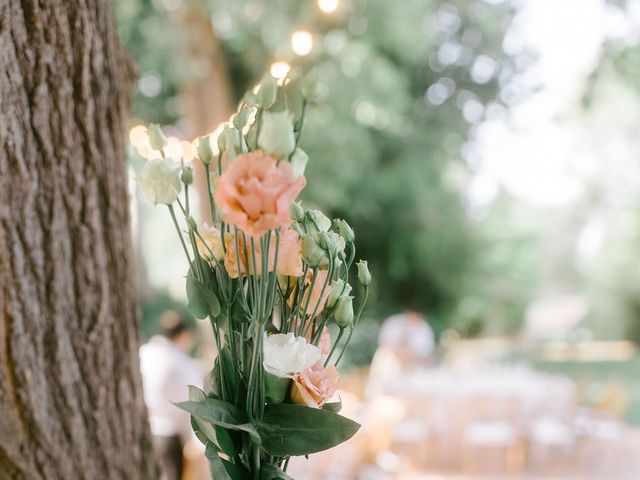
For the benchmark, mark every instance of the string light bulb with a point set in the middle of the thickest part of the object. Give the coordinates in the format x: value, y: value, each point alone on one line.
x: 302, y: 42
x: 279, y: 70
x: 328, y: 6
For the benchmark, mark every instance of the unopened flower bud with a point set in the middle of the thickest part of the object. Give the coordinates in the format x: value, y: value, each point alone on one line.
x: 276, y: 135
x: 187, y: 175
x: 299, y: 161
x: 231, y: 141
x: 339, y: 288
x: 250, y: 99
x: 364, y: 276
x: 252, y: 136
x: 316, y: 221
x: 345, y: 230
x: 268, y: 91
x: 330, y: 242
x: 343, y: 312
x: 311, y: 251
x: 296, y: 227
x: 296, y: 212
x: 240, y: 118
x: 157, y: 139
x: 204, y: 150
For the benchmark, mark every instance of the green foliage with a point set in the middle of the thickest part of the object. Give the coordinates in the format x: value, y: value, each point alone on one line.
x: 292, y: 430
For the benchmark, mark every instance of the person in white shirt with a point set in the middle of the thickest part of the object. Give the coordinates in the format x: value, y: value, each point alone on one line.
x: 167, y: 369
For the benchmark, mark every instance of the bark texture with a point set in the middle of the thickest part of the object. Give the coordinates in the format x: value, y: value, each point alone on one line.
x: 70, y: 391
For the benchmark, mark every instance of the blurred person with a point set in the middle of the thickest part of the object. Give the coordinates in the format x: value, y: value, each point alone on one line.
x: 409, y: 336
x: 406, y: 341
x: 167, y: 369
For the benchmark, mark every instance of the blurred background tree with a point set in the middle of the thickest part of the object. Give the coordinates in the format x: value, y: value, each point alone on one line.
x: 403, y: 84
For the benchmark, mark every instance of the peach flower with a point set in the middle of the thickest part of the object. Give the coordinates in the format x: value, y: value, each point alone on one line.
x: 315, y: 385
x: 325, y: 341
x: 255, y: 192
x: 211, y: 248
x: 321, y: 277
x: 289, y: 255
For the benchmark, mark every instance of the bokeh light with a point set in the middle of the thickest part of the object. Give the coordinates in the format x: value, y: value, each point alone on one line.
x: 302, y: 42
x: 279, y: 70
x: 328, y: 6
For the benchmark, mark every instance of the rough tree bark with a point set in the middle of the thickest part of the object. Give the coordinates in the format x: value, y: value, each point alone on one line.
x: 70, y: 392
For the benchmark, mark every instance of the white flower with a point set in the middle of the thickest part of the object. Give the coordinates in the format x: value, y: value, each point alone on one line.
x: 285, y: 354
x: 160, y: 181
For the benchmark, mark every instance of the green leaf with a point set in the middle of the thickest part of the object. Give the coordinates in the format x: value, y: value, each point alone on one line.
x: 271, y: 472
x: 290, y: 430
x: 334, y: 407
x: 221, y: 413
x: 216, y: 467
x: 196, y: 395
x: 224, y: 441
x: 202, y: 300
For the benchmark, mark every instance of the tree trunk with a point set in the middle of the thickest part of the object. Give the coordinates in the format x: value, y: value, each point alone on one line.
x: 70, y: 391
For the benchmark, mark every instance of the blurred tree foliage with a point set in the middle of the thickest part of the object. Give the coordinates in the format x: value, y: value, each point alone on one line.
x: 405, y: 81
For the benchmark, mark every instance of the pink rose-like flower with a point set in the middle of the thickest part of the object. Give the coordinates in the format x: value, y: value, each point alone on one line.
x: 290, y: 254
x: 255, y: 192
x: 315, y: 385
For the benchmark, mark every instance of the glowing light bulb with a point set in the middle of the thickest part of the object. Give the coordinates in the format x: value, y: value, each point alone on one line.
x: 328, y: 6
x: 301, y: 42
x: 140, y: 141
x: 173, y: 148
x: 279, y: 70
x: 188, y: 152
x: 138, y: 136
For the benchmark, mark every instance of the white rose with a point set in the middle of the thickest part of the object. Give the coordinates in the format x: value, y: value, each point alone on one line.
x: 160, y: 181
x: 286, y: 355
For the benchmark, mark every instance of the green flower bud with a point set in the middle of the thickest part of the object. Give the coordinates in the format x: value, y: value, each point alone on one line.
x: 252, y: 137
x: 296, y: 227
x: 311, y: 251
x: 191, y: 223
x: 267, y: 92
x: 311, y: 87
x: 330, y: 242
x: 299, y: 161
x: 343, y: 312
x: 204, y: 150
x: 296, y: 212
x: 345, y: 230
x: 276, y: 387
x: 316, y: 221
x: 250, y: 99
x: 240, y: 118
x: 231, y: 141
x: 339, y: 288
x: 276, y: 135
x: 364, y: 276
x: 187, y: 175
x: 157, y: 139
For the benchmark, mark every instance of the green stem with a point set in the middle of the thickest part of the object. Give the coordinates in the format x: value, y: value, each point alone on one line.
x: 175, y: 222
x: 333, y: 349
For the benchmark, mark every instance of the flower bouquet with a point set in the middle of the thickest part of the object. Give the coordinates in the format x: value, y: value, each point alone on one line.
x: 271, y: 277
